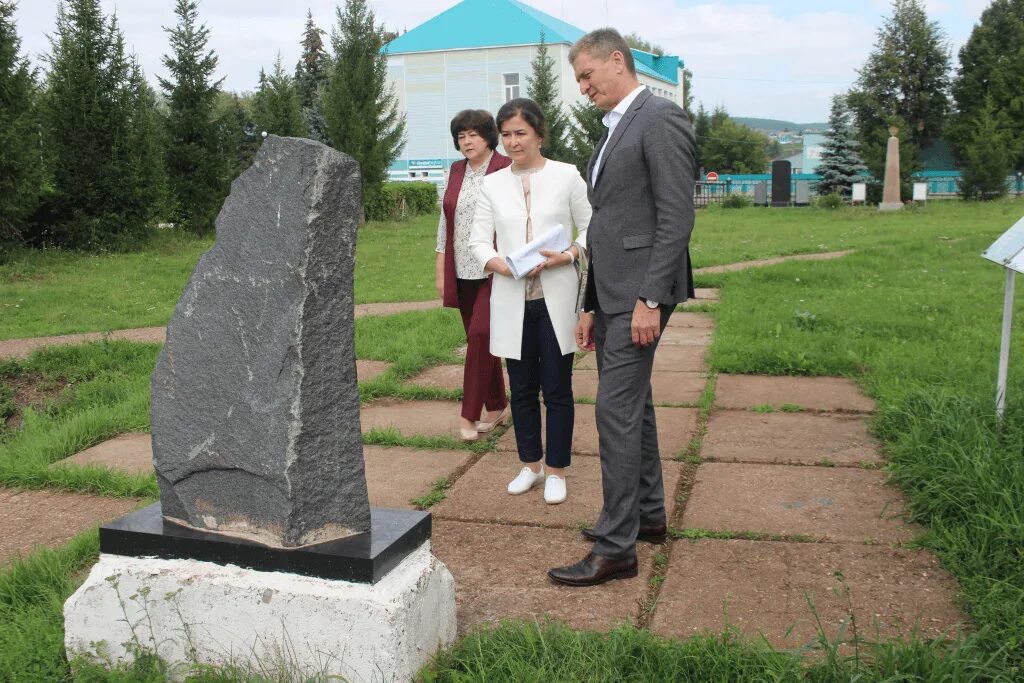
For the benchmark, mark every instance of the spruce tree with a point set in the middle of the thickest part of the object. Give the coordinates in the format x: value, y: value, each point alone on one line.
x: 840, y: 166
x: 237, y: 133
x: 991, y: 72
x: 21, y: 163
x: 360, y: 109
x: 311, y: 76
x: 543, y: 88
x: 197, y: 172
x: 988, y: 155
x: 905, y: 82
x: 277, y: 107
x: 102, y: 196
x: 585, y: 132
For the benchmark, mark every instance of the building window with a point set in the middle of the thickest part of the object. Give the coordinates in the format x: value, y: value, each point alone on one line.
x: 511, y: 86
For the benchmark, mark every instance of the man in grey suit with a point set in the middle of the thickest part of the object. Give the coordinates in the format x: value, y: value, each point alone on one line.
x: 640, y: 183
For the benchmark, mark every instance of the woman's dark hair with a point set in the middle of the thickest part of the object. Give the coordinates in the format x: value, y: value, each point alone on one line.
x: 479, y: 120
x: 526, y: 108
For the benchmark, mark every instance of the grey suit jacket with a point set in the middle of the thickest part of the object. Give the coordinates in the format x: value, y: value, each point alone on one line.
x: 643, y: 209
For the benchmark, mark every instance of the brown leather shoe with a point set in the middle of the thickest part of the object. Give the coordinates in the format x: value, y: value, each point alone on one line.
x: 648, y: 534
x: 593, y: 570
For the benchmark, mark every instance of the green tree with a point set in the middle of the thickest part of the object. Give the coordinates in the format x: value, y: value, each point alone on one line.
x: 105, y: 191
x: 634, y: 40
x: 585, y: 131
x: 729, y: 147
x: 905, y: 82
x: 543, y: 88
x: 988, y: 155
x: 277, y: 107
x: 197, y: 171
x: 991, y: 73
x: 238, y: 136
x: 21, y: 162
x: 840, y: 166
x: 311, y: 76
x: 360, y: 110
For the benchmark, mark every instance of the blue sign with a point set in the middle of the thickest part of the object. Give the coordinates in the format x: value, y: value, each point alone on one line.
x: 426, y: 163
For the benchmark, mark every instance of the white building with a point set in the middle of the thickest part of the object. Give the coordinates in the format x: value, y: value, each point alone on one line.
x: 477, y: 55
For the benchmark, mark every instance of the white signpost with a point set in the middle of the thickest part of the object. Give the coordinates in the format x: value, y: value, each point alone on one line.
x: 1007, y: 251
x: 860, y: 192
x: 920, y: 192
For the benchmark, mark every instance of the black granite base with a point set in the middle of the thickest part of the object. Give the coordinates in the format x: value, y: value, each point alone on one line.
x: 364, y: 558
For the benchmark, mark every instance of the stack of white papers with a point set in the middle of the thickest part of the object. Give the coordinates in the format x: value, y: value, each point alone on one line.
x: 528, y: 257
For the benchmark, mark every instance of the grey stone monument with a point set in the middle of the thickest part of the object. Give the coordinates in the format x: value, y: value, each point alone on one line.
x: 891, y: 199
x: 255, y: 413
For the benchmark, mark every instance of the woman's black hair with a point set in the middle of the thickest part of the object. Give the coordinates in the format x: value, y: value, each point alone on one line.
x: 529, y: 110
x: 479, y: 120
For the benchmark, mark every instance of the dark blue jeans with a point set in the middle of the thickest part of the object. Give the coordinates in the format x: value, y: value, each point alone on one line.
x: 541, y: 368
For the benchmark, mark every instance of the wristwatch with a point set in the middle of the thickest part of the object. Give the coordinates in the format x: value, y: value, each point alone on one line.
x: 650, y: 304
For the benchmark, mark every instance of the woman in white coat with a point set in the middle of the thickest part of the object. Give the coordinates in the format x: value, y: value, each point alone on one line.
x: 533, y: 319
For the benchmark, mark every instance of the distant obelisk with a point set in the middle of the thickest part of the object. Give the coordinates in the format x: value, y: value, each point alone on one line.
x: 891, y: 200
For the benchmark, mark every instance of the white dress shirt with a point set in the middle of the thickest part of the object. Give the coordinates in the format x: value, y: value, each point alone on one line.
x: 610, y: 120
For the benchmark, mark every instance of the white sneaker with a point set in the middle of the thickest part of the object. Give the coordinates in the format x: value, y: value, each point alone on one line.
x: 554, y: 490
x: 525, y: 480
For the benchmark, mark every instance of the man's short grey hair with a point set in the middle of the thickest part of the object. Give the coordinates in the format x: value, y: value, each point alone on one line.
x: 600, y: 44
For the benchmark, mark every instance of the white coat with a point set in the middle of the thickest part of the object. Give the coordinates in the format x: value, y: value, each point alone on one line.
x: 557, y: 195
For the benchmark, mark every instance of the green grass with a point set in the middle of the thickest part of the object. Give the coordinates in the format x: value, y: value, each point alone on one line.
x: 394, y: 262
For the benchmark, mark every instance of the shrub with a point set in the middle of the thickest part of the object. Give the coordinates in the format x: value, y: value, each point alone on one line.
x: 831, y: 201
x: 737, y: 201
x: 397, y: 201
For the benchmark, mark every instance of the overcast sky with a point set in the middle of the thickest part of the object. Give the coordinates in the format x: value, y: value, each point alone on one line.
x: 780, y: 59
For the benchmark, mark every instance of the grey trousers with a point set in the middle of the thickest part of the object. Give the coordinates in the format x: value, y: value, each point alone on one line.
x: 631, y: 477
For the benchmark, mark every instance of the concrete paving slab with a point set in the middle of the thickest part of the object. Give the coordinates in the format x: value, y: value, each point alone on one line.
x: 367, y: 370
x: 676, y: 427
x: 760, y: 587
x: 674, y: 388
x: 760, y: 263
x: 705, y: 294
x: 29, y: 519
x: 448, y: 377
x: 668, y: 358
x: 412, y: 418
x: 394, y: 476
x: 131, y: 452
x: 23, y: 348
x: 686, y: 336
x: 480, y: 496
x: 685, y: 319
x: 836, y: 503
x: 391, y: 308
x: 789, y: 438
x: 810, y: 393
x: 501, y: 573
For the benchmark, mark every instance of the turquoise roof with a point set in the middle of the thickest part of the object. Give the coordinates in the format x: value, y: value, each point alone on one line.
x: 498, y: 23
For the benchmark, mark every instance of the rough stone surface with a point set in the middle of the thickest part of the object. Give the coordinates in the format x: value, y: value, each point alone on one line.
x: 480, y: 494
x: 789, y: 438
x: 811, y: 393
x: 501, y: 573
x: 676, y: 427
x: 674, y: 388
x: 131, y: 453
x: 48, y: 518
x: 288, y: 627
x: 837, y: 503
x: 760, y: 588
x: 397, y: 475
x: 255, y: 404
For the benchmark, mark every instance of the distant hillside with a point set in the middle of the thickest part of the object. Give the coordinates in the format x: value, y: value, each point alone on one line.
x: 777, y: 126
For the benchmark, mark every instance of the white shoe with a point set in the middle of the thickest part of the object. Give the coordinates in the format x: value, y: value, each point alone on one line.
x: 525, y: 480
x: 554, y: 490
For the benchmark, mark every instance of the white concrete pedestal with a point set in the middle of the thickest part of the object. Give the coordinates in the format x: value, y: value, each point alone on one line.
x: 190, y: 611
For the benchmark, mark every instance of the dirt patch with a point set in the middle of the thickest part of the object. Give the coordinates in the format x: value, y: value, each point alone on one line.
x: 31, y: 391
x: 810, y: 393
x: 836, y: 503
x: 363, y: 310
x: 789, y: 438
x: 29, y: 519
x: 669, y: 387
x: 760, y: 263
x: 22, y: 348
x: 501, y: 573
x: 676, y: 427
x: 760, y: 587
x: 480, y: 495
x: 394, y: 476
